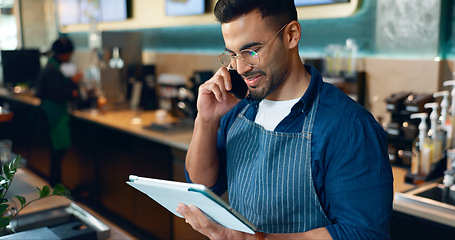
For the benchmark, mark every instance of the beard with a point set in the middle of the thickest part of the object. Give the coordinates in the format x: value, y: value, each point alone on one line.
x: 257, y: 93
x: 269, y: 84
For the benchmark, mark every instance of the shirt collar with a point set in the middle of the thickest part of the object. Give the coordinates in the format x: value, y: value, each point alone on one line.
x: 306, y: 101
x: 312, y: 91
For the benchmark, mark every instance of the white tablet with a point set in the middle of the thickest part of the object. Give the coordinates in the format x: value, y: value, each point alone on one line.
x: 170, y: 193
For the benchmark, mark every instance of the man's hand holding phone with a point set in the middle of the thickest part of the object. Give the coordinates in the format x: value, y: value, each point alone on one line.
x: 215, y: 99
x: 239, y: 87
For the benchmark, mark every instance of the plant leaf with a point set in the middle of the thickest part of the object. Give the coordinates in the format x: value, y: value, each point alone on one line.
x: 4, y: 183
x: 21, y: 199
x: 3, y: 200
x: 60, y: 190
x: 15, y: 163
x: 44, y: 192
x: 6, y: 171
x: 3, y: 208
x: 4, y: 221
x: 3, y: 186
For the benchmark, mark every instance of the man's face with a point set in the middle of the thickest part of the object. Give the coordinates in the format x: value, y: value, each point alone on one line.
x: 250, y: 31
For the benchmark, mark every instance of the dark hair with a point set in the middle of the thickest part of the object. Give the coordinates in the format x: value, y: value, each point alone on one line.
x: 277, y: 12
x: 62, y: 45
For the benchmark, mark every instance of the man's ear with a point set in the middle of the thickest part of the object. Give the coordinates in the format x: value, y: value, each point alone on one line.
x: 293, y: 33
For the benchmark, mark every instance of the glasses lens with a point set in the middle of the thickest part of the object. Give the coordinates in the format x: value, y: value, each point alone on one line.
x: 250, y: 57
x: 225, y: 59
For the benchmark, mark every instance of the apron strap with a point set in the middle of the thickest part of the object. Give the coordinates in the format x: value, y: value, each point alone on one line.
x: 307, y: 127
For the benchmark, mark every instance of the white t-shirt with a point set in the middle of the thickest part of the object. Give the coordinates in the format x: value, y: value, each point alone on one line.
x: 270, y: 113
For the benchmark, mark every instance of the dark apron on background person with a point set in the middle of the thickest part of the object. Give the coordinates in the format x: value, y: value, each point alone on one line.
x: 57, y: 118
x: 269, y: 176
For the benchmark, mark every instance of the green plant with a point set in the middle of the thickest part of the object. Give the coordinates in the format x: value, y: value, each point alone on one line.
x: 6, y: 178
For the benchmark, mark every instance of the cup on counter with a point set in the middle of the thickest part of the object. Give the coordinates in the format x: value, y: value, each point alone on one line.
x: 6, y: 146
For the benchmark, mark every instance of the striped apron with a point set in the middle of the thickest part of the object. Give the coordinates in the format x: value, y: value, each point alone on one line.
x: 269, y: 176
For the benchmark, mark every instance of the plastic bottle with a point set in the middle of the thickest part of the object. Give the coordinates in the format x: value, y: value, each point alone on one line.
x: 445, y: 122
x: 417, y: 146
x: 434, y: 143
x: 450, y: 117
x: 452, y: 94
x: 351, y: 47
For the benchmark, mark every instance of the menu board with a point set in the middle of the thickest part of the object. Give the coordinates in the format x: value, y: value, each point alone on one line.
x: 68, y: 12
x: 84, y: 11
x: 184, y: 7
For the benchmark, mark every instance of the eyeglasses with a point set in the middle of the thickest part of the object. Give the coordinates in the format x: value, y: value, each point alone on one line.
x: 249, y: 57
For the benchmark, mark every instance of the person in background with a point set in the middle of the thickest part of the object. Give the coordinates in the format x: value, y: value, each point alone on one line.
x: 299, y: 158
x: 57, y: 86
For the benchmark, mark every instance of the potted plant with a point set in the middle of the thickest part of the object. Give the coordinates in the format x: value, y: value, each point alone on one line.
x: 8, y: 209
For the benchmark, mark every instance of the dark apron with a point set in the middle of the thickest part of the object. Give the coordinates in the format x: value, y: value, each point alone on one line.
x: 269, y: 176
x: 57, y: 118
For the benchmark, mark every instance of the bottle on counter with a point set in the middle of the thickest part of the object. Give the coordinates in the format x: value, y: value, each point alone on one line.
x: 450, y: 125
x: 420, y: 163
x: 445, y: 120
x: 436, y: 136
x: 450, y: 120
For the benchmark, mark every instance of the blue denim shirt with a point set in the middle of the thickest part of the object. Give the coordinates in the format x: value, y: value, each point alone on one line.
x: 350, y: 165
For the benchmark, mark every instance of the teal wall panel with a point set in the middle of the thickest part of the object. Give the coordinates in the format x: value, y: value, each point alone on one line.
x: 447, y: 44
x: 316, y: 34
x: 190, y: 39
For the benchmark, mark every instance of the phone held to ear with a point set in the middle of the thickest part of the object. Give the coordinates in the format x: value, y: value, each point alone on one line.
x: 239, y: 87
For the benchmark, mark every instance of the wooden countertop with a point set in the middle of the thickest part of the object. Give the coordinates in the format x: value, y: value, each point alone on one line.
x: 399, y: 185
x: 123, y: 120
x: 134, y: 122
x: 25, y: 98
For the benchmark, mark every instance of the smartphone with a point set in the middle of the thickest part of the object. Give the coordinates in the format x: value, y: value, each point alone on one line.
x: 239, y: 87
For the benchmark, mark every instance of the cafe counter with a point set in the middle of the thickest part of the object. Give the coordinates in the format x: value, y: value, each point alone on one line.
x: 108, y: 147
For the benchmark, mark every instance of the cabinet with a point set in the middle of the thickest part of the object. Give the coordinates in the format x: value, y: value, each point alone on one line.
x: 404, y: 226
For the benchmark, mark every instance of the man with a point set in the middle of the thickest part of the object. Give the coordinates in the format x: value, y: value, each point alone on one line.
x: 57, y: 86
x: 299, y: 158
